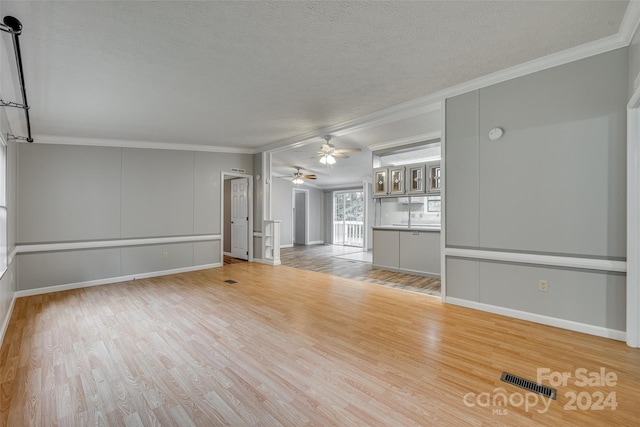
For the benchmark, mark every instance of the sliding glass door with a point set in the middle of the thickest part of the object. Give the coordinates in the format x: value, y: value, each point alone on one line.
x: 348, y: 218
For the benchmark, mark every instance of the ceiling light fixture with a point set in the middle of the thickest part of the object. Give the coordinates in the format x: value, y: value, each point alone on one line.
x: 299, y: 177
x: 327, y: 159
x: 328, y: 152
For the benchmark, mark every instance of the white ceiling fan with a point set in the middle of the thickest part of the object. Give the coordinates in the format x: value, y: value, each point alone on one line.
x: 299, y: 177
x: 329, y: 153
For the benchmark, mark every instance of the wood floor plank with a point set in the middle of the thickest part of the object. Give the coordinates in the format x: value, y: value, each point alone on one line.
x: 330, y: 259
x: 285, y: 346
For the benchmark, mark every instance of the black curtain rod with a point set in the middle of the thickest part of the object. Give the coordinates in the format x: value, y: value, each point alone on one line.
x: 13, y: 26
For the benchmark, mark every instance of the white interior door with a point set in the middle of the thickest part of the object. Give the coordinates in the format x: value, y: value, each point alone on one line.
x: 239, y: 218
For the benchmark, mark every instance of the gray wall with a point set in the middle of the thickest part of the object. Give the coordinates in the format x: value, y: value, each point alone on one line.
x: 282, y: 209
x: 7, y: 281
x: 81, y: 193
x: 555, y: 183
x: 316, y: 215
x: 634, y: 61
x: 258, y: 191
x: 9, y: 92
x: 328, y: 217
x: 371, y: 217
x: 258, y: 203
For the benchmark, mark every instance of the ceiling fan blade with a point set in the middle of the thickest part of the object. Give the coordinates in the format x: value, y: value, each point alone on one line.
x: 317, y: 156
x: 348, y: 150
x: 340, y: 155
x: 310, y: 177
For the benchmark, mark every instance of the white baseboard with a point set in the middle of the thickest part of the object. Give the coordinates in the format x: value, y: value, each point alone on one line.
x: 290, y: 245
x: 7, y: 317
x: 78, y: 285
x: 227, y: 253
x: 316, y: 242
x: 539, y: 318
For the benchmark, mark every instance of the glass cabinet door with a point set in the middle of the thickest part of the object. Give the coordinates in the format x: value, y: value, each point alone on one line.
x: 434, y: 179
x: 416, y: 183
x: 396, y: 181
x: 380, y: 182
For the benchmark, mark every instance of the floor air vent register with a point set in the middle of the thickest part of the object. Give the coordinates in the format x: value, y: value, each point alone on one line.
x: 529, y: 385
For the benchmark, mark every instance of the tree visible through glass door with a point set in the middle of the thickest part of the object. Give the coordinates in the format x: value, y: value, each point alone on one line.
x: 348, y: 218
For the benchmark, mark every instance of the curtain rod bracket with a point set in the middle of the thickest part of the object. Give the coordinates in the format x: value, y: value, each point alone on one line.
x: 4, y: 103
x: 18, y: 138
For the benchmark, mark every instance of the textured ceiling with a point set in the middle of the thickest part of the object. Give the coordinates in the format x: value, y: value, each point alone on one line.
x: 247, y: 74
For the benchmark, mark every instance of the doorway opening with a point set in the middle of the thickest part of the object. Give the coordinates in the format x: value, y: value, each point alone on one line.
x: 633, y: 220
x: 300, y: 223
x: 236, y: 218
x: 348, y: 218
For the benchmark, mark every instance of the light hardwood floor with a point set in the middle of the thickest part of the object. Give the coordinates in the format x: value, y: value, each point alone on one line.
x: 286, y: 346
x: 331, y: 259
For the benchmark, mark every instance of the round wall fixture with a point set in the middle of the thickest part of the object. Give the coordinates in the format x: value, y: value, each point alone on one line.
x: 495, y: 133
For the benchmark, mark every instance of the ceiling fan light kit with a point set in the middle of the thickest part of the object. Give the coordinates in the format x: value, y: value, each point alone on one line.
x: 327, y: 159
x: 328, y: 152
x: 299, y: 177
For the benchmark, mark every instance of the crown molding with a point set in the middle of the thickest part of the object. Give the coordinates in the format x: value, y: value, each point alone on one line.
x: 378, y: 118
x: 348, y: 186
x: 431, y: 137
x: 432, y: 102
x: 630, y: 21
x: 412, y: 108
x: 99, y: 142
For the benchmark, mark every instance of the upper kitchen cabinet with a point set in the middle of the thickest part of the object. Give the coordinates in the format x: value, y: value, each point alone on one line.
x: 434, y: 177
x: 388, y: 181
x: 408, y: 170
x: 396, y: 181
x: 416, y: 182
x: 380, y: 182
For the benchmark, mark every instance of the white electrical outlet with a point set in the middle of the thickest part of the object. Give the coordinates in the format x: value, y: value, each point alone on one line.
x: 543, y: 286
x: 165, y: 255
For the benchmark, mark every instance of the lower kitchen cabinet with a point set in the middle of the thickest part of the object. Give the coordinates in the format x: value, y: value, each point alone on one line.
x: 411, y: 251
